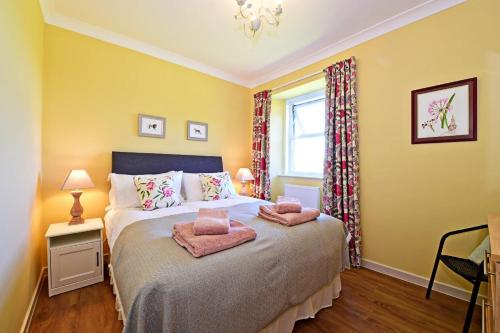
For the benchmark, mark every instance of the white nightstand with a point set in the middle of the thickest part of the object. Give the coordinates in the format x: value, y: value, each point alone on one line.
x: 74, y: 255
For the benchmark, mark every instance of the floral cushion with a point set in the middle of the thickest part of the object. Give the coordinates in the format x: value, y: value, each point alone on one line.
x: 217, y: 186
x: 156, y: 192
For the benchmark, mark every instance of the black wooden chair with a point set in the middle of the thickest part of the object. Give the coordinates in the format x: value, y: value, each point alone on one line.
x: 466, y: 268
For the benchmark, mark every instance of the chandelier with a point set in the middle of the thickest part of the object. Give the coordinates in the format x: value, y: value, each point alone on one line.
x: 253, y: 17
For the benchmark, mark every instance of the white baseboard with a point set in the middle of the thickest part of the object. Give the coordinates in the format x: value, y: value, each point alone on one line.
x: 34, y: 299
x: 441, y: 287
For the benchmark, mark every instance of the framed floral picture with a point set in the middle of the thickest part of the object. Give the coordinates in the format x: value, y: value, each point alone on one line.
x: 445, y: 113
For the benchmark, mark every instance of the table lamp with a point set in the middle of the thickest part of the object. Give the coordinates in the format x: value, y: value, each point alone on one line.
x: 76, y: 181
x: 244, y: 175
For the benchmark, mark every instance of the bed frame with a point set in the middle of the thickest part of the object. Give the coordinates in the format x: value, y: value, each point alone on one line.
x: 148, y: 163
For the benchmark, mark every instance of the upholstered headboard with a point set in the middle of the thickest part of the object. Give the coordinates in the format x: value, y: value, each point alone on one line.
x: 147, y: 163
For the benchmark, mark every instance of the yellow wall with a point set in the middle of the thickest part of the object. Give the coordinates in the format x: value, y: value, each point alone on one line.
x: 21, y: 49
x: 93, y: 92
x: 412, y: 194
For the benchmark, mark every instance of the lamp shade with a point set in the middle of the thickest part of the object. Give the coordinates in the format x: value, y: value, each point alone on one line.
x: 244, y: 175
x: 77, y: 180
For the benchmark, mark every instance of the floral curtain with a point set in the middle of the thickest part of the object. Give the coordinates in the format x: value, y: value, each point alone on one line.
x: 260, y: 144
x: 341, y: 170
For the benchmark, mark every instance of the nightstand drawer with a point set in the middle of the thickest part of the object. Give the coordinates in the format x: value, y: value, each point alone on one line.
x: 75, y: 263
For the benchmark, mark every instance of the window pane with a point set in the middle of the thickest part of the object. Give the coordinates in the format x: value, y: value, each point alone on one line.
x: 309, y: 118
x: 307, y: 155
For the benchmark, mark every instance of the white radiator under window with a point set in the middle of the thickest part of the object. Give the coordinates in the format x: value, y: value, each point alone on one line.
x: 308, y: 195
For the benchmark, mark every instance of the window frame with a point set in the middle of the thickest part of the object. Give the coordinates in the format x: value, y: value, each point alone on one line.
x: 302, y: 99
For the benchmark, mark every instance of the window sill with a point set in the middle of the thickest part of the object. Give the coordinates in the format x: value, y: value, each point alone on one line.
x: 301, y: 176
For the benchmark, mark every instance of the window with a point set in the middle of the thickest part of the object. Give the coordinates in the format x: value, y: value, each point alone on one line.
x: 305, y: 145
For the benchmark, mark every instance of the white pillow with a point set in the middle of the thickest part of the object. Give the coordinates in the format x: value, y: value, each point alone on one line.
x: 191, y: 185
x: 123, y: 193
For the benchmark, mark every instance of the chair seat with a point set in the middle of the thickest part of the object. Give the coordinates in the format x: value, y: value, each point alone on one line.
x: 463, y: 267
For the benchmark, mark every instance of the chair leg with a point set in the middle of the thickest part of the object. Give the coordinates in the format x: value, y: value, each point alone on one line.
x: 433, y: 276
x: 472, y: 305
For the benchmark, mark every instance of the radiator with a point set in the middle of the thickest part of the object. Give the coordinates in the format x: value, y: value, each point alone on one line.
x: 308, y: 195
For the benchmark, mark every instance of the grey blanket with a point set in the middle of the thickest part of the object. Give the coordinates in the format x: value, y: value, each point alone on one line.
x: 243, y: 289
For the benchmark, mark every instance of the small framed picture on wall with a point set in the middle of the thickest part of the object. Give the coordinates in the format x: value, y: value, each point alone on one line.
x: 197, y: 131
x: 151, y: 126
x: 445, y: 113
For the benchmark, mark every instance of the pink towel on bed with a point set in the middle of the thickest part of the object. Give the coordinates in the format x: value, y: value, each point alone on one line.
x: 268, y: 212
x: 211, y: 222
x: 199, y: 246
x: 288, y: 205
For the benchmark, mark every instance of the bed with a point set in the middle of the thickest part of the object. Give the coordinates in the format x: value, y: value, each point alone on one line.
x: 266, y: 285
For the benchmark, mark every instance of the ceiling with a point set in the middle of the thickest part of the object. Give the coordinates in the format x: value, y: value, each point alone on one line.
x: 203, y: 34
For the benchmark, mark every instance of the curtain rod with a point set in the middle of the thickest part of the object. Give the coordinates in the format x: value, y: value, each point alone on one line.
x: 305, y: 77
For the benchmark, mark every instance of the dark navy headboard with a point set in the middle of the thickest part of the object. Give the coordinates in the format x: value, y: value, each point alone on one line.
x: 147, y: 163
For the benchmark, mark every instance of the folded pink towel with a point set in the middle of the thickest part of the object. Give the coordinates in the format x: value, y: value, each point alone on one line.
x: 211, y: 222
x: 288, y: 205
x: 268, y: 212
x: 199, y: 246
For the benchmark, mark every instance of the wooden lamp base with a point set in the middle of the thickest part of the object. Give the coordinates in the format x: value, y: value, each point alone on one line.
x: 77, y: 209
x: 244, y: 188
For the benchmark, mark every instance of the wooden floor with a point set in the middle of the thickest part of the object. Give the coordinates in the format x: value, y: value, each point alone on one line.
x: 369, y: 302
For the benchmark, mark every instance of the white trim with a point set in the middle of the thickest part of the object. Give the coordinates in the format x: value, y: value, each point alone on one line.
x: 411, y: 15
x: 32, y: 304
x: 441, y: 287
x: 47, y: 7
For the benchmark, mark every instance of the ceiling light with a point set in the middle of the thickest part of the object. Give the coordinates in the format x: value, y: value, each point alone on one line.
x: 253, y: 17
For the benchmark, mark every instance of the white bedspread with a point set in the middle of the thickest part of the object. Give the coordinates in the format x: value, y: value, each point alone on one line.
x: 117, y: 219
